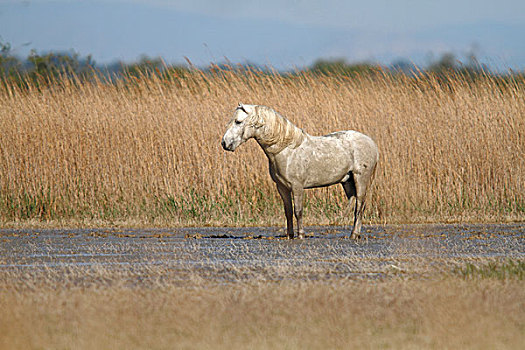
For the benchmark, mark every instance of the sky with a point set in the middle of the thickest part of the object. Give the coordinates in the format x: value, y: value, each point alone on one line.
x: 284, y: 34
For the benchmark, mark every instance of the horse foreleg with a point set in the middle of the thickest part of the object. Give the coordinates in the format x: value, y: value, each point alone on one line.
x: 298, y: 208
x: 286, y: 196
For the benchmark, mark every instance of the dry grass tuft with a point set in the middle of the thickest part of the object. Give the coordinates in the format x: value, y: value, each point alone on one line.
x: 147, y: 151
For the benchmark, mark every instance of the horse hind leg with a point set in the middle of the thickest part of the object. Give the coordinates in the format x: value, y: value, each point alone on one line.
x: 358, y: 217
x: 349, y: 187
x: 350, y: 191
x: 362, y: 182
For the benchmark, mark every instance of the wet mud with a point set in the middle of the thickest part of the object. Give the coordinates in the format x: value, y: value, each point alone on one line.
x: 235, y: 254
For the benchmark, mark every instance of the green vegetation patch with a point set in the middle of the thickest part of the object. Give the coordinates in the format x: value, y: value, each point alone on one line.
x: 509, y: 269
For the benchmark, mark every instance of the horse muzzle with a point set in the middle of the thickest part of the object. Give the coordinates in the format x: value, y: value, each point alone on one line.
x: 227, y: 147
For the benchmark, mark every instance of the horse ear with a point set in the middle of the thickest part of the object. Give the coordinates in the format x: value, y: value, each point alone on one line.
x: 246, y: 108
x: 241, y: 107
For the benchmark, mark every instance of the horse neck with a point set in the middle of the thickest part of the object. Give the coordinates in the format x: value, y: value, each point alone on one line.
x: 278, y: 133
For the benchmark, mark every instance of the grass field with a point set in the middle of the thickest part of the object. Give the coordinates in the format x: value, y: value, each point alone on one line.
x: 146, y: 151
x: 450, y: 313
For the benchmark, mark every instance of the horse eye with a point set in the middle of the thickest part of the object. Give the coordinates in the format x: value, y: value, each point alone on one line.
x: 237, y: 121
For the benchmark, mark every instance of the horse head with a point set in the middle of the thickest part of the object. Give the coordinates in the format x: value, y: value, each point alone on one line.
x: 242, y: 127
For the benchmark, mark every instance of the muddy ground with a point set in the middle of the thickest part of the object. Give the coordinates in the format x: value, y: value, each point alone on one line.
x: 139, y: 256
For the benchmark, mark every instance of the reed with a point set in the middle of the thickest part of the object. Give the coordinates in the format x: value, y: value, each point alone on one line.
x: 146, y: 150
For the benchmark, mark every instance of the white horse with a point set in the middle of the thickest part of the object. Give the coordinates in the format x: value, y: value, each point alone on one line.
x: 300, y: 161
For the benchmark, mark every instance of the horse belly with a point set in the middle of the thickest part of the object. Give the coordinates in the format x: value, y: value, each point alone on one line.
x: 326, y: 174
x: 325, y: 167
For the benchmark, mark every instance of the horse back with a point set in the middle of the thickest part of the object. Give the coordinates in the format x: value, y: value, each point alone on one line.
x: 362, y: 147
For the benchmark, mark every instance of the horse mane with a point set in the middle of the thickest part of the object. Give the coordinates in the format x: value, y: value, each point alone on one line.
x: 277, y: 131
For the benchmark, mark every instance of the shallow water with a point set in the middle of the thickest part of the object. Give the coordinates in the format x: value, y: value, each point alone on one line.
x: 239, y: 253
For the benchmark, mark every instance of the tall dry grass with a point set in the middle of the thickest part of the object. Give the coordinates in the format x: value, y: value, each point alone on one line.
x: 147, y: 150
